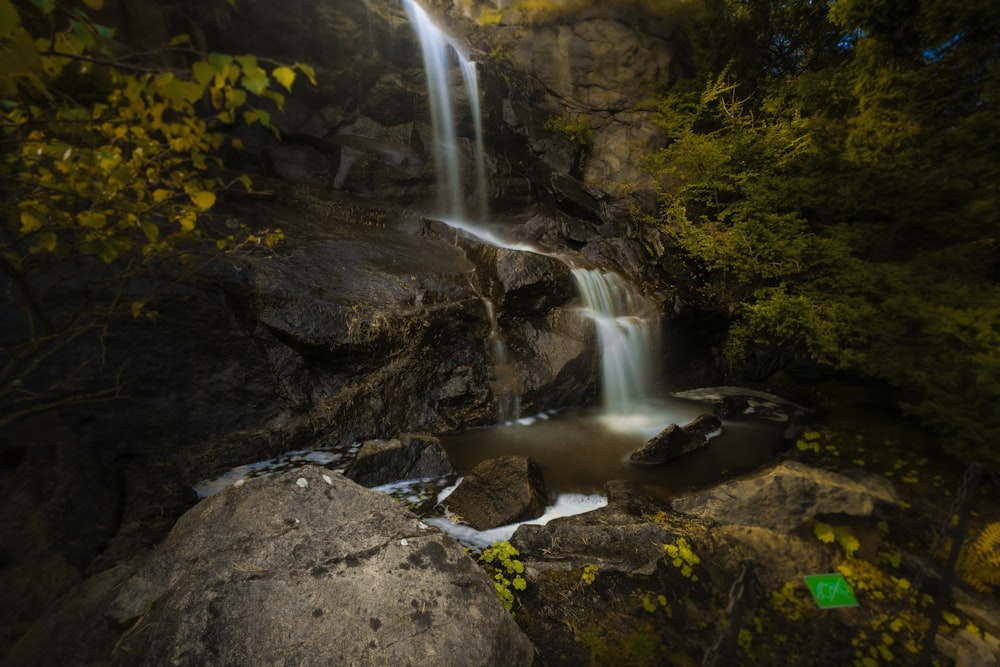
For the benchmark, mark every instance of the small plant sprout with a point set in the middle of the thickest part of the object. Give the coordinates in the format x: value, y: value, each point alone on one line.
x: 500, y: 558
x: 682, y: 557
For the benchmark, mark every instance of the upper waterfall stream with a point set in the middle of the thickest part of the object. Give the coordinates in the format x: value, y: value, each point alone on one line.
x: 438, y: 49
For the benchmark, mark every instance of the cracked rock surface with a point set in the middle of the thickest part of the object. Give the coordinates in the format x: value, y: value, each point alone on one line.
x: 304, y: 568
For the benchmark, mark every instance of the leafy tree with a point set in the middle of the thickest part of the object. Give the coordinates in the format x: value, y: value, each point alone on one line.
x: 107, y: 166
x: 844, y: 207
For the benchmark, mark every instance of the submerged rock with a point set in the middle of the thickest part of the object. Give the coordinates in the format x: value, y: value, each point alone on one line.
x: 787, y: 495
x: 731, y: 407
x: 675, y: 441
x: 409, y: 456
x: 499, y: 492
x: 307, y: 568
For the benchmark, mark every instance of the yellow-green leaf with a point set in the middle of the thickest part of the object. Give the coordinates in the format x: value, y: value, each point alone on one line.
x: 161, y: 195
x: 248, y: 61
x: 46, y: 241
x: 45, y: 5
x: 203, y: 200
x: 29, y: 222
x: 137, y: 307
x: 257, y: 116
x: 178, y: 90
x: 187, y: 221
x: 824, y: 532
x: 94, y: 4
x: 107, y: 252
x: 277, y: 98
x: 92, y: 219
x: 203, y: 72
x: 285, y: 76
x: 308, y: 71
x: 254, y: 80
x: 151, y: 231
x: 9, y: 19
x: 219, y: 61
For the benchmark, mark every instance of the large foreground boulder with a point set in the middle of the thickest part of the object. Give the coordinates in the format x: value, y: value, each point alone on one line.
x: 306, y: 568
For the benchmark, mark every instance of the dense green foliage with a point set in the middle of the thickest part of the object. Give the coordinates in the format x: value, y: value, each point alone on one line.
x: 107, y: 164
x: 832, y: 174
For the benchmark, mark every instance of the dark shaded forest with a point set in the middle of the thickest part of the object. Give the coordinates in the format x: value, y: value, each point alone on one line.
x: 832, y: 175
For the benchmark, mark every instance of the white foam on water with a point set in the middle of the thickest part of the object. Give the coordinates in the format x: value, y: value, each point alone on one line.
x: 567, y: 504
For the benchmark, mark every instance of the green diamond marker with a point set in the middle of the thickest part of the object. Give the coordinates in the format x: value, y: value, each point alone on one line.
x: 831, y: 590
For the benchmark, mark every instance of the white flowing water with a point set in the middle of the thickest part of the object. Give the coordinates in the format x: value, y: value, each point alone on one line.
x: 439, y: 50
x: 627, y: 335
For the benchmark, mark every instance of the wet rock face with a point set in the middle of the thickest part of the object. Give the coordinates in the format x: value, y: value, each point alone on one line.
x: 380, y: 327
x: 268, y: 572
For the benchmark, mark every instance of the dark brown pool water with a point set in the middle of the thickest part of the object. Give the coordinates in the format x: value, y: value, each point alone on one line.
x: 580, y: 452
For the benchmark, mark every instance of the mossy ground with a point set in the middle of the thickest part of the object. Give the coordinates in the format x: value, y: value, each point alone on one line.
x: 581, y: 617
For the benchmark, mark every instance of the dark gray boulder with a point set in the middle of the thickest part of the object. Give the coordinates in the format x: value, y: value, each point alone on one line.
x: 499, y: 492
x: 410, y: 456
x: 675, y: 441
x: 306, y: 568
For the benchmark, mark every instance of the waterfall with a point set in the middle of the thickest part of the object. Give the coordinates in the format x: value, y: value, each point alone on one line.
x: 438, y: 49
x: 627, y: 338
x: 626, y: 326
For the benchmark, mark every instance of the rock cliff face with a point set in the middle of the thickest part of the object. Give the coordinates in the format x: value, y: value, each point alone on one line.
x: 365, y: 128
x: 369, y: 320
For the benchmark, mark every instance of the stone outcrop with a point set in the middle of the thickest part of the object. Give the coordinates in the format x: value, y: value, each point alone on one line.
x: 675, y: 441
x: 410, y: 456
x: 623, y: 536
x: 499, y: 492
x: 307, y: 568
x: 787, y: 495
x: 398, y: 337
